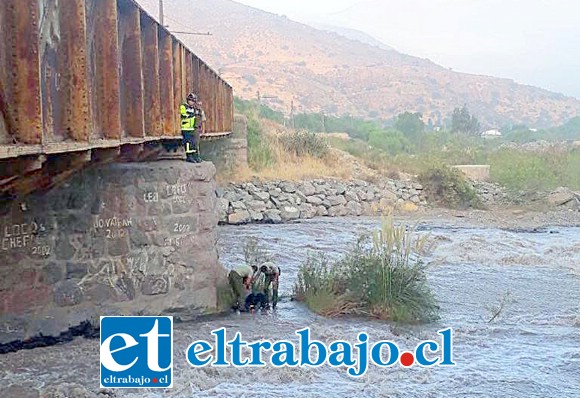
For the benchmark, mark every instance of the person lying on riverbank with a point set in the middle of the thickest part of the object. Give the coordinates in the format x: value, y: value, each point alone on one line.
x: 258, y: 298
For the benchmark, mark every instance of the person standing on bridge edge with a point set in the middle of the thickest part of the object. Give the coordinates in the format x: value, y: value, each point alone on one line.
x: 190, y: 128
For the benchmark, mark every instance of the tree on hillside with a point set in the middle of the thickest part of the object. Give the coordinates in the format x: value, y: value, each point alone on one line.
x: 391, y: 141
x: 410, y: 124
x: 463, y: 122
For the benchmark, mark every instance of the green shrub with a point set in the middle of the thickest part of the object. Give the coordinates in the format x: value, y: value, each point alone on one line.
x: 382, y: 276
x: 391, y: 141
x: 260, y: 154
x: 520, y: 170
x: 254, y: 254
x: 448, y: 187
x: 302, y: 143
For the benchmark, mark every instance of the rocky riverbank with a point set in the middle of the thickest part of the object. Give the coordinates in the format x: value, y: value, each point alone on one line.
x: 283, y: 201
x: 275, y: 202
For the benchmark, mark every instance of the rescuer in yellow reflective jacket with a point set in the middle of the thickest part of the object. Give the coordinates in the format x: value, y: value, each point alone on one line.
x: 190, y: 128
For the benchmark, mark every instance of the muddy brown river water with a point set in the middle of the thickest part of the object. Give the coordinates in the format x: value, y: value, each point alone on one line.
x: 531, y: 350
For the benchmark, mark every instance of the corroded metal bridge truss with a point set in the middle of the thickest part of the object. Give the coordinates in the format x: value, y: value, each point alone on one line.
x: 86, y: 81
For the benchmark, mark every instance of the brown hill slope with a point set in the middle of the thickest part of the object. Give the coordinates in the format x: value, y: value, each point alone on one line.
x: 323, y: 71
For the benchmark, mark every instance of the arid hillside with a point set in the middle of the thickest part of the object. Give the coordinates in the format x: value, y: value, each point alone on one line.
x: 319, y: 70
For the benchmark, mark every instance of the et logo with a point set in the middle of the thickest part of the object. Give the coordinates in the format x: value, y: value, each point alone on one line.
x: 136, y: 352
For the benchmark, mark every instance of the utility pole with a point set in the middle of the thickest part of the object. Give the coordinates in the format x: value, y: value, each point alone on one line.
x: 161, y: 14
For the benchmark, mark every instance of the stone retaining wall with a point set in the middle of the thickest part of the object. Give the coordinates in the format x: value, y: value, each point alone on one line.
x: 121, y: 239
x: 282, y: 201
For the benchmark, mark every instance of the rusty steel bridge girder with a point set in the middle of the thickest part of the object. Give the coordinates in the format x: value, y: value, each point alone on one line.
x: 79, y: 75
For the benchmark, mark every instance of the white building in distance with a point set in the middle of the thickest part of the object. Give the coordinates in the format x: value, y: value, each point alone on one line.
x: 491, y: 133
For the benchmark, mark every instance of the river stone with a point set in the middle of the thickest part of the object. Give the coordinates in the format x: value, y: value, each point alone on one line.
x: 67, y: 293
x: 288, y: 187
x: 275, y: 192
x: 418, y: 186
x: 261, y: 196
x: 321, y: 211
x: 406, y: 196
x: 289, y: 213
x: 308, y: 189
x: 273, y: 216
x: 300, y: 197
x: 361, y: 194
x: 351, y: 196
x: 389, y: 196
x: 231, y: 196
x: 251, y: 188
x: 340, y: 189
x: 370, y: 195
x: 257, y: 206
x: 415, y: 199
x: 336, y: 200
x: 561, y: 196
x: 276, y: 201
x: 239, y: 217
x: 307, y: 211
x: 321, y: 188
x: 223, y: 206
x: 359, y: 183
x: 315, y: 200
x: 354, y: 208
x: 286, y: 198
x: 257, y: 215
x: 338, y: 211
x: 239, y: 205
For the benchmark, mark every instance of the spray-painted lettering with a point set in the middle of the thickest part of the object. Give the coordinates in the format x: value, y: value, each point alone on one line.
x: 151, y: 197
x: 20, y: 236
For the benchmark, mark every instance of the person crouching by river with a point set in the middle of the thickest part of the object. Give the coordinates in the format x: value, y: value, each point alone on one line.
x: 272, y: 273
x: 241, y: 279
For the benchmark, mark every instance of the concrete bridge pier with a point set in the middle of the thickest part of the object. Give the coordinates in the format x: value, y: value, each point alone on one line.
x: 132, y: 238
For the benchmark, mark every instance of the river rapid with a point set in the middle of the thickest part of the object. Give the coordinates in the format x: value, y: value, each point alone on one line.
x: 532, y: 349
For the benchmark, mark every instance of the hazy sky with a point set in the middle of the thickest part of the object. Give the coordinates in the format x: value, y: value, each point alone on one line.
x: 534, y: 42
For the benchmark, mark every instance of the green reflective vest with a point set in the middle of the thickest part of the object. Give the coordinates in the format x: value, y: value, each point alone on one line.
x: 187, y: 117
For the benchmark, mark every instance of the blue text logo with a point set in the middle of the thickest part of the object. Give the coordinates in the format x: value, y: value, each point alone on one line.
x: 307, y: 352
x: 136, y: 352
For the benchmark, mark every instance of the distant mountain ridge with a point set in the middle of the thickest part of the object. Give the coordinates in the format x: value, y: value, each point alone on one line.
x: 320, y: 71
x: 352, y: 34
